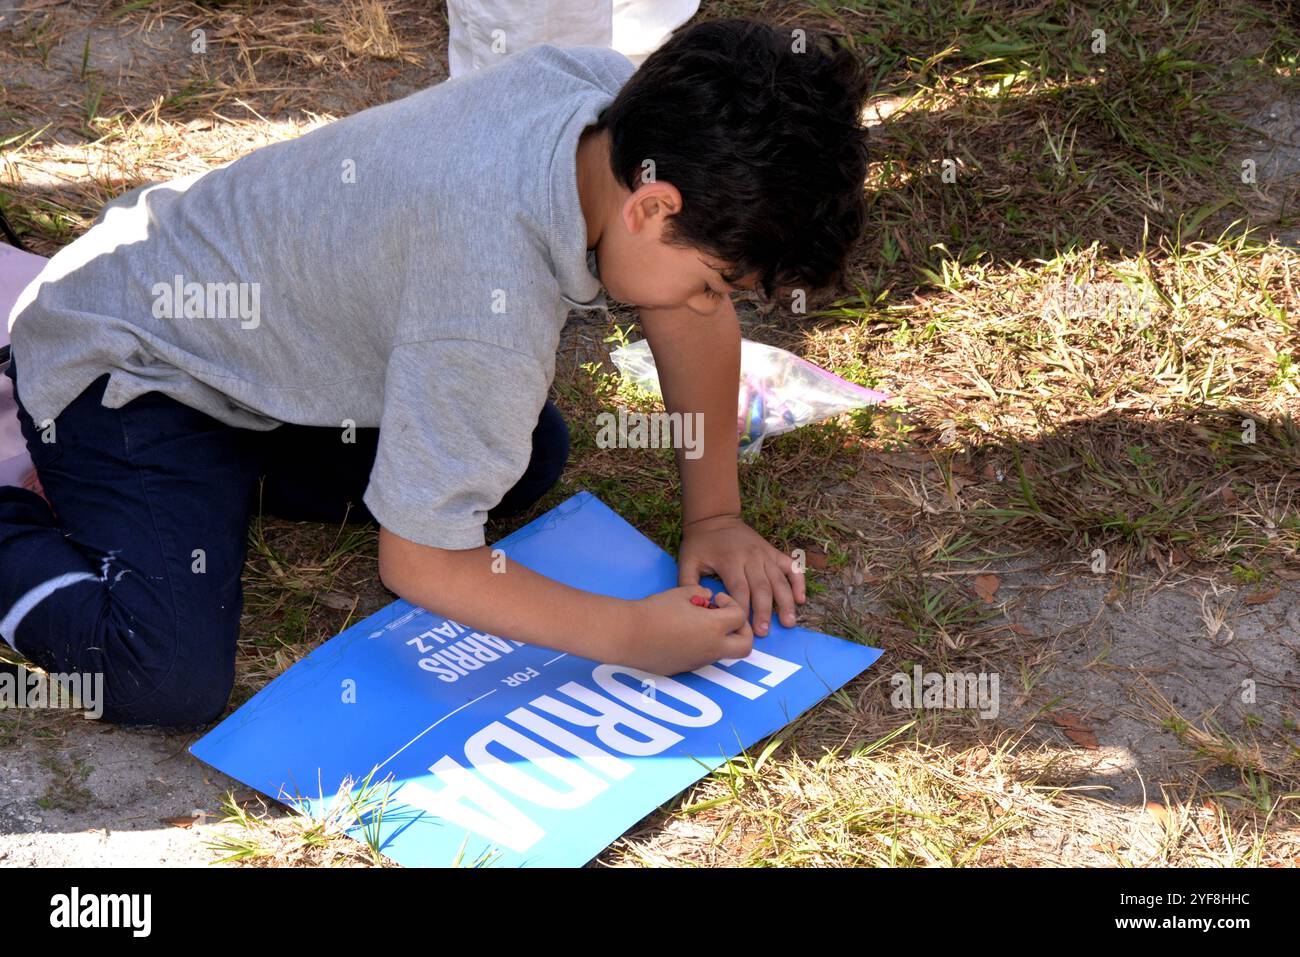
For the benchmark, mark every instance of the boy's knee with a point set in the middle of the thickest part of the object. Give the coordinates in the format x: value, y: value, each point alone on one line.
x: 167, y: 684
x: 180, y: 701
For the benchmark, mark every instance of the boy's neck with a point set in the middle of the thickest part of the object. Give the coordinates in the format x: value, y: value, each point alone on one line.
x: 597, y: 189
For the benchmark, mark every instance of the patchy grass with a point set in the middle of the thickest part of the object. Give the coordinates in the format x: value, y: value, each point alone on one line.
x: 341, y: 831
x: 66, y: 790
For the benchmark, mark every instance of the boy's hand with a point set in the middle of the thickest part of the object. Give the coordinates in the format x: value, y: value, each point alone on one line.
x: 751, y: 569
x: 678, y: 636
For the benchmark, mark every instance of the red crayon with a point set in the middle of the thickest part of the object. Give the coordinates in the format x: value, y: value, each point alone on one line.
x: 702, y: 602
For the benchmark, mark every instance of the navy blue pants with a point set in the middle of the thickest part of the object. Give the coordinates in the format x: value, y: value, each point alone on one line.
x: 135, y: 571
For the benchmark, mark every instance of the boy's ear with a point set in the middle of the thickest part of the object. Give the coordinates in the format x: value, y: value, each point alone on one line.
x: 651, y: 203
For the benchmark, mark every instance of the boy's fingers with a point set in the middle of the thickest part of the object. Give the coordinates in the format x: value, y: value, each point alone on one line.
x: 737, y: 646
x: 729, y: 605
x: 795, y: 580
x: 784, y: 595
x: 740, y: 593
x: 688, y: 572
x: 737, y: 584
x: 742, y: 632
x: 762, y: 598
x: 729, y: 613
x: 798, y: 582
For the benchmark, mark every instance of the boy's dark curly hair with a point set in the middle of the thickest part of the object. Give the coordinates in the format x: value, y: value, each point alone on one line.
x: 764, y: 144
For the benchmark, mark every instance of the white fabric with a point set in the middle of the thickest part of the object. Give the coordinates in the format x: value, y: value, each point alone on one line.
x: 17, y: 269
x: 483, y: 31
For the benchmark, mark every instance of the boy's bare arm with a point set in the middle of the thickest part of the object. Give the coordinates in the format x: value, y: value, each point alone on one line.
x: 698, y: 361
x: 664, y: 634
x: 516, y: 602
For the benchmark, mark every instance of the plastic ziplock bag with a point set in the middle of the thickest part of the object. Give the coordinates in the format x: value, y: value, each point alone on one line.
x: 778, y: 390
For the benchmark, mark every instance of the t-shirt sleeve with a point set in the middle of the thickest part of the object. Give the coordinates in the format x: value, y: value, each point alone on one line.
x: 455, y: 436
x: 616, y: 68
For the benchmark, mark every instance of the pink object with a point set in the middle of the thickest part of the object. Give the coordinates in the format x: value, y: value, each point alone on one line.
x: 17, y: 269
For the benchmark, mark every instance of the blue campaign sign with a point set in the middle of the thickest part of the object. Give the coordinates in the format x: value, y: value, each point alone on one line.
x: 490, y: 751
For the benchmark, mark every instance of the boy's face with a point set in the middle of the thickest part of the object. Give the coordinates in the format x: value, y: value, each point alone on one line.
x: 638, y: 267
x: 627, y: 227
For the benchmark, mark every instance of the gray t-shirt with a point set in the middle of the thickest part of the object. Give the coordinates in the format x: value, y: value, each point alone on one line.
x: 408, y: 267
